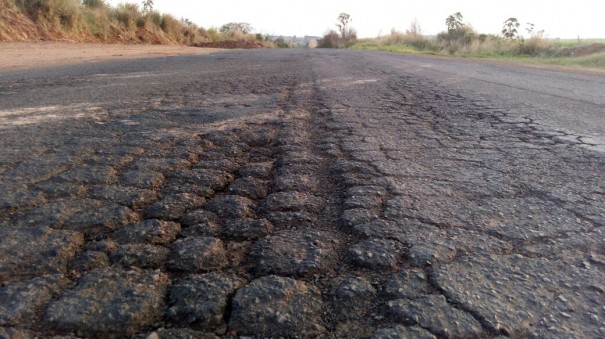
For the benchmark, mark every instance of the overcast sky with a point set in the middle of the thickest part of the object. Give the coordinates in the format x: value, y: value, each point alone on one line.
x: 559, y: 19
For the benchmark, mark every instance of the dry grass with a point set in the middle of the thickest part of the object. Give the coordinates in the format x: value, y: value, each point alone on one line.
x: 95, y: 21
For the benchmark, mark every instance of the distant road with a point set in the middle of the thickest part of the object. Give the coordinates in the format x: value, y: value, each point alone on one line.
x: 571, y: 101
x: 302, y: 193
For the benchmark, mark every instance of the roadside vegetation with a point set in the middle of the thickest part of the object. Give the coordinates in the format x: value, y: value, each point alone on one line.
x: 96, y: 21
x: 516, y: 41
x: 345, y: 37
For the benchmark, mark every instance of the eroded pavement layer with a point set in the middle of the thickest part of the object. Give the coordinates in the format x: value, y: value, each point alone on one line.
x: 313, y: 195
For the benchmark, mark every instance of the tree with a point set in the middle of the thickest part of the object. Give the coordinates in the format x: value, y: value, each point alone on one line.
x: 454, y: 22
x: 415, y: 28
x: 510, y: 28
x: 343, y: 24
x: 347, y: 34
x: 529, y: 28
x: 147, y: 6
x: 231, y: 27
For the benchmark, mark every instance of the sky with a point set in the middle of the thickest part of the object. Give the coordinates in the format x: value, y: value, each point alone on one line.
x: 559, y: 19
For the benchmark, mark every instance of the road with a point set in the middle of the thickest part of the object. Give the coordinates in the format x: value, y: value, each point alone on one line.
x: 309, y: 193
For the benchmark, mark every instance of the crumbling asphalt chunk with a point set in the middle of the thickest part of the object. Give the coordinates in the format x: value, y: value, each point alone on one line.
x: 18, y: 196
x: 407, y: 283
x: 149, y: 231
x: 111, y: 302
x: 174, y: 206
x: 291, y: 201
x: 294, y: 182
x: 89, y: 175
x: 162, y: 165
x: 15, y: 333
x: 104, y: 219
x: 20, y: 302
x: 200, y: 216
x: 140, y: 255
x: 226, y: 165
x: 54, y: 190
x: 292, y: 219
x: 357, y: 216
x: 260, y: 170
x: 35, y: 251
x: 201, y: 300
x: 232, y: 207
x: 243, y: 229
x: 295, y: 253
x: 249, y: 187
x: 351, y: 297
x: 195, y: 254
x: 364, y: 197
x: 89, y: 260
x: 85, y: 215
x: 276, y: 306
x: 128, y: 196
x: 376, y: 254
x: 143, y: 179
x: 207, y: 180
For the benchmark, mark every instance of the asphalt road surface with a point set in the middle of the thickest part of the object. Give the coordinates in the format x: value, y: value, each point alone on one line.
x: 302, y: 193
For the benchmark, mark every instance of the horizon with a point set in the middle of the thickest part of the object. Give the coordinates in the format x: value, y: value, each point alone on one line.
x: 312, y: 18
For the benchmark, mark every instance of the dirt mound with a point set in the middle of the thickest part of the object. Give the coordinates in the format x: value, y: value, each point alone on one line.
x: 150, y: 37
x: 583, y: 50
x: 15, y: 26
x: 232, y: 44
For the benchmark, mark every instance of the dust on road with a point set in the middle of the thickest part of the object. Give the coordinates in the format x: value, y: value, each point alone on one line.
x: 22, y: 55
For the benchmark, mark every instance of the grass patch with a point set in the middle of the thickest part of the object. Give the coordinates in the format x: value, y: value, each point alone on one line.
x: 467, y: 43
x: 596, y: 61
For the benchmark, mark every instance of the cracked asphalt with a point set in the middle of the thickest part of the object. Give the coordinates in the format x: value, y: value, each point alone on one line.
x: 301, y: 193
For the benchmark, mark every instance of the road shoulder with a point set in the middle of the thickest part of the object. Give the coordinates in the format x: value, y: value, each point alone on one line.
x: 27, y: 55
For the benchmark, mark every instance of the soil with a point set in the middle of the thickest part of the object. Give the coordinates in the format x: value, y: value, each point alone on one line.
x: 22, y: 55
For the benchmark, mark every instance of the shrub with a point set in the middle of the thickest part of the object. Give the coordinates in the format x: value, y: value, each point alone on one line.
x: 535, y: 46
x: 65, y: 13
x: 170, y: 24
x: 127, y: 15
x: 281, y: 43
x: 463, y: 35
x: 155, y: 17
x: 96, y: 22
x: 330, y: 40
x: 213, y: 34
x: 94, y: 3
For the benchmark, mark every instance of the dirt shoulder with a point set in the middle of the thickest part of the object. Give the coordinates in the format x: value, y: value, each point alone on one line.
x: 23, y: 55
